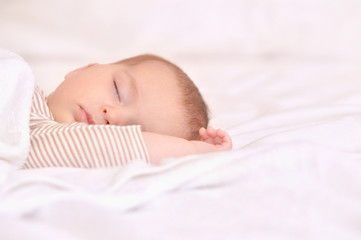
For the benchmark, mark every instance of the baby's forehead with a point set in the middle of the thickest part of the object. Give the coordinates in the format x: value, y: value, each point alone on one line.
x: 156, y: 64
x: 154, y: 68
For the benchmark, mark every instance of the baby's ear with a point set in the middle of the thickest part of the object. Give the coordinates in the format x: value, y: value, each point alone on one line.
x: 80, y: 69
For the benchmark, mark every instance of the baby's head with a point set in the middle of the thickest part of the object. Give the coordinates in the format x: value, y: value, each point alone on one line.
x: 145, y: 90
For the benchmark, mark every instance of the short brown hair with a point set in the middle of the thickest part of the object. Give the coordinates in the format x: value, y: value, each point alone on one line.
x: 196, y: 109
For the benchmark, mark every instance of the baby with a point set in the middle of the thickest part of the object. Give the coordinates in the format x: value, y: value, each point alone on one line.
x: 104, y: 115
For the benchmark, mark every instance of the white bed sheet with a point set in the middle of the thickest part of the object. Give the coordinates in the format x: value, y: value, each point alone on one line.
x: 283, y: 77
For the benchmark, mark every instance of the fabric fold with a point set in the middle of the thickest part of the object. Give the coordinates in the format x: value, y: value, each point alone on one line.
x: 16, y: 89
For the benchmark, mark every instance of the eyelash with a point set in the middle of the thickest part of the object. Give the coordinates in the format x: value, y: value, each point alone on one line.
x: 116, y: 90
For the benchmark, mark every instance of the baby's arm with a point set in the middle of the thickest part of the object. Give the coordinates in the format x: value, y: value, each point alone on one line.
x: 162, y: 146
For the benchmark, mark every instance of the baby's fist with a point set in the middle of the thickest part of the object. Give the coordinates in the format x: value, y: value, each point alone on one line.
x: 219, y: 138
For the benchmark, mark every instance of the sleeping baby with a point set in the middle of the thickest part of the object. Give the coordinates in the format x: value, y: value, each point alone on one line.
x: 105, y: 115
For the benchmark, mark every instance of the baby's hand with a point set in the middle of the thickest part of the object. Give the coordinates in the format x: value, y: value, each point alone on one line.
x: 219, y: 138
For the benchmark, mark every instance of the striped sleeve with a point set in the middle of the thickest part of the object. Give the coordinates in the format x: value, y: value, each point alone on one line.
x: 79, y: 144
x: 40, y: 113
x: 85, y: 146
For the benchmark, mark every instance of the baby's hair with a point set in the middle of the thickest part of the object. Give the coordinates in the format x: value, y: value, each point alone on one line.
x: 196, y: 109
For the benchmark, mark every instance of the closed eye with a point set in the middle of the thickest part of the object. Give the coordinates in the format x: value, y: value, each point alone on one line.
x: 117, y: 90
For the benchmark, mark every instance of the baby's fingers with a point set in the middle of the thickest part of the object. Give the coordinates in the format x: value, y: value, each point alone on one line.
x: 205, y: 136
x: 212, y: 132
x: 221, y: 133
x: 220, y: 137
x: 226, y: 139
x: 217, y: 137
x: 203, y: 133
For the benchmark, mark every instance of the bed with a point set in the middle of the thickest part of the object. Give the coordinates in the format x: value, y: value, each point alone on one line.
x: 281, y: 76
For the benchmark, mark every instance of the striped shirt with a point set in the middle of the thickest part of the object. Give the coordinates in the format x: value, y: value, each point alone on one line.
x: 77, y: 144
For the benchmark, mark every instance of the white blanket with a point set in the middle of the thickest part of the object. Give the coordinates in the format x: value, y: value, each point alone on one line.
x: 294, y: 174
x: 16, y: 89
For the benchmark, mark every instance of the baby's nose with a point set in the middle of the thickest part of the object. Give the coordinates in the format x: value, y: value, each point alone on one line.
x: 111, y: 115
x: 105, y: 111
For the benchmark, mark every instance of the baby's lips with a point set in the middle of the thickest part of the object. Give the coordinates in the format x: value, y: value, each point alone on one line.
x: 85, y: 117
x: 89, y: 118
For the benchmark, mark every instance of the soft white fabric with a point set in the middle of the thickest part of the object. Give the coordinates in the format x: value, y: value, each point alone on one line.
x: 282, y: 76
x: 294, y: 172
x: 16, y: 89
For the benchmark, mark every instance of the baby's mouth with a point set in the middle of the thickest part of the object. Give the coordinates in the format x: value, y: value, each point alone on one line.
x: 85, y: 117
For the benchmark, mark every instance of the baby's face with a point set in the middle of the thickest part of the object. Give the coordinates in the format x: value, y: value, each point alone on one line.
x: 146, y: 94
